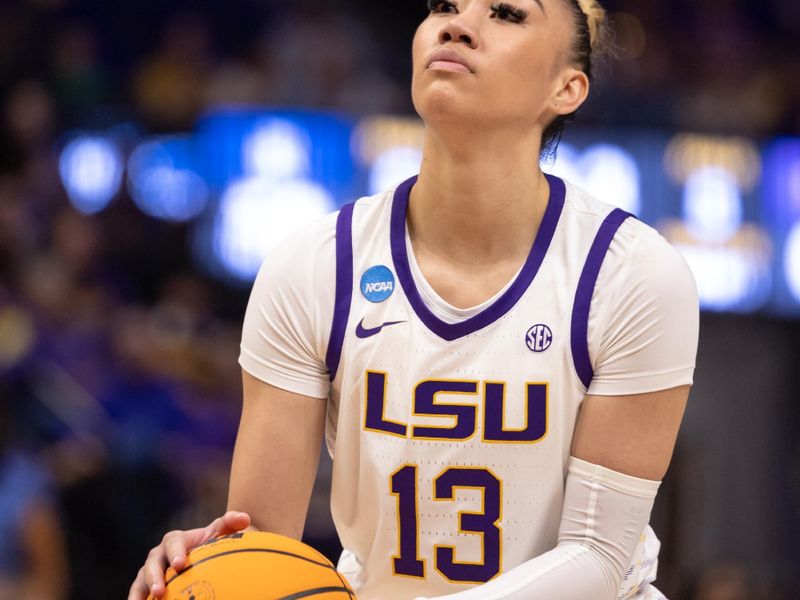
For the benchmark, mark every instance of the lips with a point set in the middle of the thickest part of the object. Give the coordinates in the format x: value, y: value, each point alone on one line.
x: 449, y: 60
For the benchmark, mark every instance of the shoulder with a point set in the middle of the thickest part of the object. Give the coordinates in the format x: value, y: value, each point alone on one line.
x: 644, y: 312
x: 637, y: 251
x: 639, y: 257
x: 287, y: 324
x: 580, y: 204
x: 318, y: 238
x: 306, y: 259
x: 372, y: 214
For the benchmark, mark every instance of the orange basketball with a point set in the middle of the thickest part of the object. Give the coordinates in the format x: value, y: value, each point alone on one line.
x: 256, y: 566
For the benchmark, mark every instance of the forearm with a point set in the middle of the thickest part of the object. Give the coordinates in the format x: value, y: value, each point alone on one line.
x: 276, y: 457
x: 603, y: 519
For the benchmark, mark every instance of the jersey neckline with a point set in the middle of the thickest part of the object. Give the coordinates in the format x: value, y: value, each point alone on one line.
x: 438, y: 305
x: 453, y: 331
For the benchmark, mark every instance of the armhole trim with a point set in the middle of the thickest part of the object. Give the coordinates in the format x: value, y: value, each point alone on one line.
x: 579, y: 336
x: 344, y: 287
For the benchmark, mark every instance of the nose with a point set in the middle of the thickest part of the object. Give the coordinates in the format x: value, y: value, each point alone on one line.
x: 457, y: 30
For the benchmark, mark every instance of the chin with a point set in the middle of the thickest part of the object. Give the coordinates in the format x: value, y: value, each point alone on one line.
x: 439, y: 102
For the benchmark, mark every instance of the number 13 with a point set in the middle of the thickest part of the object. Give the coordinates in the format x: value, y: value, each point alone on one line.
x: 485, y: 524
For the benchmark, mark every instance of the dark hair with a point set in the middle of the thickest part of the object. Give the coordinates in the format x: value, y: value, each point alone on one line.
x: 588, y: 30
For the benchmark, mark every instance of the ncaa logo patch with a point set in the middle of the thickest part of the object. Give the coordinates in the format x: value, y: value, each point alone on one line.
x: 377, y: 283
x: 539, y: 338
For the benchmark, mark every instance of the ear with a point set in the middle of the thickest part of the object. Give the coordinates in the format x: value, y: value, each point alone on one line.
x: 573, y: 91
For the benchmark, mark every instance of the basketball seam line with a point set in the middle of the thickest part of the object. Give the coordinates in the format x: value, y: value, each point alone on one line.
x: 201, y: 561
x: 345, y: 583
x: 314, y: 592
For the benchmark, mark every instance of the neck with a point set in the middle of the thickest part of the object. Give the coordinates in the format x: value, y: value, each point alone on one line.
x: 480, y: 201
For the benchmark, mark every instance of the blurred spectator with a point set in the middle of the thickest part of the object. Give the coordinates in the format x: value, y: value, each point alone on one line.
x: 166, y: 86
x: 33, y: 558
x: 236, y: 83
x: 321, y: 58
x: 80, y: 82
x: 30, y: 115
x: 745, y: 95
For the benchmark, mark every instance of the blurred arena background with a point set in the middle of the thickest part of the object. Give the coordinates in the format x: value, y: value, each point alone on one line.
x: 152, y: 153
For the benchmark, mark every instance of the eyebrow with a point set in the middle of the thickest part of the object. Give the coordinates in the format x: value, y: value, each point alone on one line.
x: 539, y: 2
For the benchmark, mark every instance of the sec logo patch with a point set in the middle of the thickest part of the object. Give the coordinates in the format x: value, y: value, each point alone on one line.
x: 539, y: 338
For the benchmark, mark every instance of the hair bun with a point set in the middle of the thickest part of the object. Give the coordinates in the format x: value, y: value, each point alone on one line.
x: 596, y: 18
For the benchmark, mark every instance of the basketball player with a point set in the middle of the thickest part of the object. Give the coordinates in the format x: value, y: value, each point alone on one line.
x: 499, y: 363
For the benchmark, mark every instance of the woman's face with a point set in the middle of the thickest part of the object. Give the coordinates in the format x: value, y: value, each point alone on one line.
x: 514, y: 59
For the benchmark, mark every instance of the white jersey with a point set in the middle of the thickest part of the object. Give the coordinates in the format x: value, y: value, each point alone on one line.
x: 451, y: 429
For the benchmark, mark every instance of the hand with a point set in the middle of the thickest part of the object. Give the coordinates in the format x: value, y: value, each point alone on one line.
x: 172, y: 551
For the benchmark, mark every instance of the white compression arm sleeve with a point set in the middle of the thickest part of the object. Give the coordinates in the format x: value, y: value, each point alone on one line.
x: 604, y: 515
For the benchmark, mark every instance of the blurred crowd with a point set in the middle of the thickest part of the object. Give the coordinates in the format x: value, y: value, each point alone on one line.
x: 724, y: 66
x: 119, y: 388
x: 120, y: 407
x: 717, y: 66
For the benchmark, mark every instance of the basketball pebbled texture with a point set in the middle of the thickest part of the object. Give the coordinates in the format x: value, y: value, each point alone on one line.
x: 256, y: 566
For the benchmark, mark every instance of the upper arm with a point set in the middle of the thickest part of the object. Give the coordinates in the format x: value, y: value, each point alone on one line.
x: 644, y: 327
x: 632, y: 434
x: 276, y: 456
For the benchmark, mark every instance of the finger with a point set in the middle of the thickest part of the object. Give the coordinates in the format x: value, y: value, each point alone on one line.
x: 177, y: 544
x: 230, y: 522
x: 138, y: 589
x: 234, y: 521
x: 153, y: 571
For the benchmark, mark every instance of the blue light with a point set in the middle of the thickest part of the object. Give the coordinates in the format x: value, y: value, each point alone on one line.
x: 792, y: 261
x: 782, y: 182
x: 608, y: 172
x: 163, y: 182
x: 781, y: 210
x: 91, y: 172
x: 730, y: 259
x: 728, y: 278
x: 255, y: 214
x: 712, y: 204
x: 393, y: 166
x: 277, y: 149
x: 239, y: 143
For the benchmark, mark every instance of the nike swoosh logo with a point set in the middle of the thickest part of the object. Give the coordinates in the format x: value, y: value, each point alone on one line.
x: 364, y: 333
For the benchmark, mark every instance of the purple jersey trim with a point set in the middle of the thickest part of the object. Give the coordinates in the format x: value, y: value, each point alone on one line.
x: 453, y: 331
x: 344, y: 287
x: 579, y: 337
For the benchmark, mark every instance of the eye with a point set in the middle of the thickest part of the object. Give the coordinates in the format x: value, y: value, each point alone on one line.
x: 441, y: 6
x: 507, y: 12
